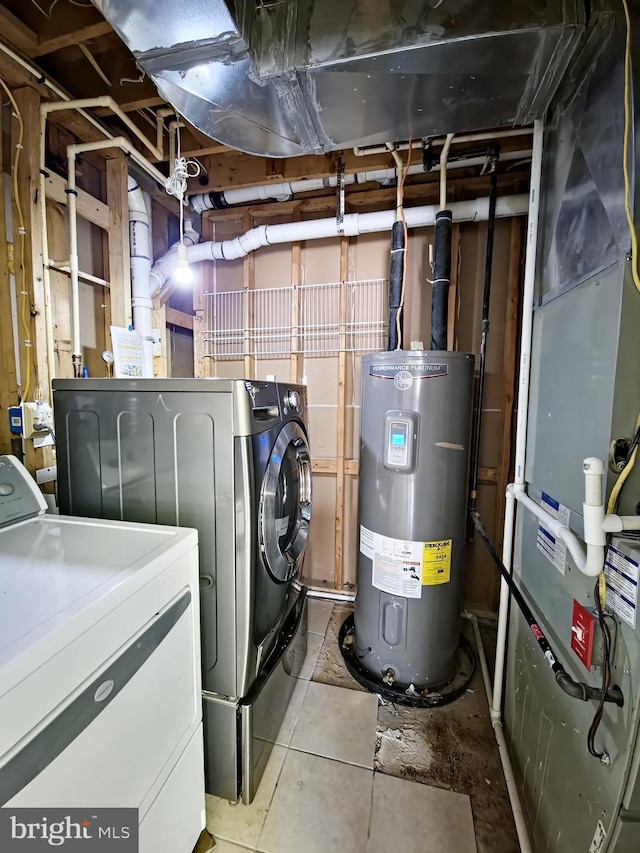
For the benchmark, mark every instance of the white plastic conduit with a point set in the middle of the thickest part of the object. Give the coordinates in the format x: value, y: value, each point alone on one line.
x: 284, y: 191
x: 521, y: 437
x: 140, y: 261
x: 463, y: 138
x: 317, y: 229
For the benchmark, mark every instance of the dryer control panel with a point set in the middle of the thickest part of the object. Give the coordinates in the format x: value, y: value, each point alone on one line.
x: 20, y: 497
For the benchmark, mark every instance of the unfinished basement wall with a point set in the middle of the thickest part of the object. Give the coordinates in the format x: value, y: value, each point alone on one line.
x: 334, y: 413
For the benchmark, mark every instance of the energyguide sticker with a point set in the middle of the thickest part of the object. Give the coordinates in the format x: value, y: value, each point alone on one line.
x: 554, y: 550
x: 402, y: 567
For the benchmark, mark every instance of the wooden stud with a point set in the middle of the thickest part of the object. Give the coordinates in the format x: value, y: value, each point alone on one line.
x: 342, y: 415
x: 60, y: 292
x: 29, y: 277
x: 296, y: 356
x: 17, y: 33
x: 8, y: 378
x: 88, y: 207
x: 79, y: 36
x: 203, y: 366
x: 179, y: 318
x: 249, y: 283
x: 509, y: 381
x: 119, y: 271
x: 161, y: 362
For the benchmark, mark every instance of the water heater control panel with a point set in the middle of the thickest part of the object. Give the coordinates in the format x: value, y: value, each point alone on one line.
x: 400, y: 441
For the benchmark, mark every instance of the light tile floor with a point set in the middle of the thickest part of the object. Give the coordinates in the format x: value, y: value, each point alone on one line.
x: 319, y: 793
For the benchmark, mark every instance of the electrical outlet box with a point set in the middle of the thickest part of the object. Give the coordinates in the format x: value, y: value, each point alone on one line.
x: 583, y: 626
x: 37, y: 419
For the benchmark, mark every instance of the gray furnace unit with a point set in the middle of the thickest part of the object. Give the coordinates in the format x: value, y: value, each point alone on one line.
x: 416, y: 417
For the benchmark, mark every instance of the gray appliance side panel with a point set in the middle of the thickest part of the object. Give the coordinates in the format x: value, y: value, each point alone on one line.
x: 164, y: 458
x: 575, y: 352
x: 221, y: 747
x: 565, y: 790
x: 262, y: 718
x: 246, y: 562
x: 584, y: 392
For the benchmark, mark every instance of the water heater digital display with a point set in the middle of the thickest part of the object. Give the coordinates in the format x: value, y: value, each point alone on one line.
x: 400, y: 436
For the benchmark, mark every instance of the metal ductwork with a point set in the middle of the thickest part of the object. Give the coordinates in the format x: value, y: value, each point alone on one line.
x: 285, y: 77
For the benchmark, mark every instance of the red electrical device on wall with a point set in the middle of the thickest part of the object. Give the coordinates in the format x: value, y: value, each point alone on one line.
x: 583, y: 627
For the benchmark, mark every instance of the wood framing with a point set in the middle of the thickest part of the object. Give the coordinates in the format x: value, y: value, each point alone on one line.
x: 75, y: 36
x: 8, y: 378
x: 89, y: 208
x: 29, y: 270
x: 119, y: 271
x: 249, y: 283
x: 296, y: 357
x: 342, y: 415
x: 509, y: 380
x: 202, y: 365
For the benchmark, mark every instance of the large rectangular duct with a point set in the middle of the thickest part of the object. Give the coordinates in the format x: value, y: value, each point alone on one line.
x: 281, y: 77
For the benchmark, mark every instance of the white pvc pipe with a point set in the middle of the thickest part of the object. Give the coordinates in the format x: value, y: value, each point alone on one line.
x: 589, y: 562
x: 200, y: 202
x: 512, y: 788
x: 444, y: 154
x: 521, y: 437
x: 353, y: 224
x: 465, y: 137
x: 104, y: 101
x: 140, y: 262
x: 618, y: 523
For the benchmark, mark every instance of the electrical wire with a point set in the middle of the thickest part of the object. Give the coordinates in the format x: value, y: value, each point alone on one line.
x: 24, y: 304
x: 401, y: 175
x: 44, y: 11
x: 606, y: 679
x: 625, y: 152
x: 176, y: 183
x: 600, y: 595
x: 94, y: 63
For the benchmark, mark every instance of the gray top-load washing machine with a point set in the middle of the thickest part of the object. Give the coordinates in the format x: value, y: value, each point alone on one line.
x: 230, y: 458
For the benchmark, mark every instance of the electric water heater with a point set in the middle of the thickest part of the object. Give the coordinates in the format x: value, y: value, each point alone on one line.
x: 416, y: 418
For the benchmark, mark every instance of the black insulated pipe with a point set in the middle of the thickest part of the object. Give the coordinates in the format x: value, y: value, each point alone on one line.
x: 575, y: 689
x: 486, y: 303
x: 396, y: 319
x: 441, y: 280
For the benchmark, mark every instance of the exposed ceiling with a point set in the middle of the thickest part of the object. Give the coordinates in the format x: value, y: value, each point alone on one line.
x: 73, y: 44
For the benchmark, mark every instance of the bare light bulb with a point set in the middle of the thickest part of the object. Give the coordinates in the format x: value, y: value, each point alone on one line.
x: 183, y: 273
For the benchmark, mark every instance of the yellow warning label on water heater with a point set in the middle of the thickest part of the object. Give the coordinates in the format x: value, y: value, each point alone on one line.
x: 436, y: 563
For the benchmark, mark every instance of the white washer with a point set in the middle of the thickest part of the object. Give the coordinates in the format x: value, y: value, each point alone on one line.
x: 99, y: 666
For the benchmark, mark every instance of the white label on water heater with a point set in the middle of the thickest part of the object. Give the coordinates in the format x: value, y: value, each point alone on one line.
x: 397, y: 566
x: 366, y: 542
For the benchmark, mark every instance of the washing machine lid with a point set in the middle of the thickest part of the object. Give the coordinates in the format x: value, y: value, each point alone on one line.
x: 56, y: 571
x: 285, y: 503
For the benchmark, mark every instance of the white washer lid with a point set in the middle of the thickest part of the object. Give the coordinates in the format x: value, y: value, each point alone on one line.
x: 53, y: 567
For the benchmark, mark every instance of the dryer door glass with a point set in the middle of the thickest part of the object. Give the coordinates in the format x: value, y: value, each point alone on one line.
x: 285, y: 503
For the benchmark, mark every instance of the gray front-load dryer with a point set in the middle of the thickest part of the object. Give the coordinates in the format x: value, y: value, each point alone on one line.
x: 230, y: 458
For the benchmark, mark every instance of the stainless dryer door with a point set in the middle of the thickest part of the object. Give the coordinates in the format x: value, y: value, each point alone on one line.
x: 285, y: 503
